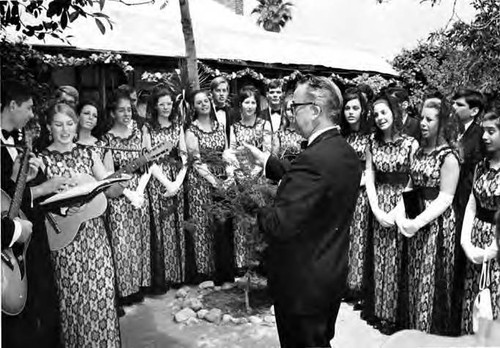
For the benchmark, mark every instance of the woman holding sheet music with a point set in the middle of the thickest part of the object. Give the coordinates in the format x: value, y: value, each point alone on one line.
x: 431, y: 235
x: 129, y: 225
x: 83, y: 270
x: 388, y: 161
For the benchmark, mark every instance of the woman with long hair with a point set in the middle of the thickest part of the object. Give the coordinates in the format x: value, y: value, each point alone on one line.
x: 84, y: 269
x: 355, y: 127
x: 388, y: 161
x: 431, y: 235
x: 478, y: 230
x: 129, y: 226
x: 167, y: 208
x: 205, y: 142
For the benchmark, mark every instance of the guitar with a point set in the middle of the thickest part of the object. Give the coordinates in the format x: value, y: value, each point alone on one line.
x: 14, y: 278
x: 61, y: 230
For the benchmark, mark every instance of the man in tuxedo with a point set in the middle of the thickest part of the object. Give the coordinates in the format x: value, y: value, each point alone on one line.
x: 274, y: 112
x: 219, y: 91
x: 468, y: 106
x: 308, y: 225
x: 38, y: 323
x: 411, y: 126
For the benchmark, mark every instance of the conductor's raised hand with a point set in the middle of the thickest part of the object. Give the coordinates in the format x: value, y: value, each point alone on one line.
x: 259, y: 156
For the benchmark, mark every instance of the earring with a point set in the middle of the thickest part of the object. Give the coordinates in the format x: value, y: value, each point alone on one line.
x: 50, y: 137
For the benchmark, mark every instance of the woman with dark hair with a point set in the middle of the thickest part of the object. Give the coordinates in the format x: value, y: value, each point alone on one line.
x: 90, y: 127
x: 355, y: 127
x: 478, y: 230
x: 205, y: 142
x: 83, y: 270
x: 129, y: 226
x: 388, y: 161
x: 431, y: 235
x: 167, y: 207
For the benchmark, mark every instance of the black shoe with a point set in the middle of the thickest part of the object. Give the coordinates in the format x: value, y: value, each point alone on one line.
x: 120, y: 311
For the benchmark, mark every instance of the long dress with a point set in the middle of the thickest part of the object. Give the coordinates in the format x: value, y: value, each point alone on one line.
x: 431, y: 252
x: 358, y: 231
x: 288, y: 144
x: 211, y: 145
x: 486, y: 183
x: 392, y: 160
x: 242, y: 228
x: 168, y: 212
x: 84, y: 269
x: 129, y: 227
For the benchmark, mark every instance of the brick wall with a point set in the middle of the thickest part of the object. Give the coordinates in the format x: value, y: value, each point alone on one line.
x: 235, y: 5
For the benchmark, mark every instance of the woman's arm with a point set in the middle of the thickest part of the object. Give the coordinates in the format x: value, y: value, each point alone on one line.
x: 381, y: 216
x: 450, y: 171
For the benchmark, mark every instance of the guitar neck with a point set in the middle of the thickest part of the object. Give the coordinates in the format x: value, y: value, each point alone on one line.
x: 17, y: 198
x: 130, y: 167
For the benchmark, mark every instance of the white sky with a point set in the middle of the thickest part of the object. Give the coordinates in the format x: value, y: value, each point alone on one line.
x: 382, y: 28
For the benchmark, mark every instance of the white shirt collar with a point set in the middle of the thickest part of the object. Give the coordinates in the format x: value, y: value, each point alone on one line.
x: 318, y: 133
x: 467, y: 125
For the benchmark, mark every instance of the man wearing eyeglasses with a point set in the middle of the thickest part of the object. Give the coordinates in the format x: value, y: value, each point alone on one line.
x: 307, y: 227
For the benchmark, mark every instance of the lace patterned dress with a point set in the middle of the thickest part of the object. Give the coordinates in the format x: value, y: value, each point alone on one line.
x: 394, y: 157
x: 200, y: 195
x: 84, y: 271
x: 129, y: 227
x: 431, y: 254
x: 252, y: 135
x: 358, y: 231
x: 168, y: 212
x: 486, y: 184
x: 288, y: 144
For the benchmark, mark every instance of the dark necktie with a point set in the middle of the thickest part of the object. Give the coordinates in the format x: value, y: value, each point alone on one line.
x: 217, y: 108
x: 277, y: 111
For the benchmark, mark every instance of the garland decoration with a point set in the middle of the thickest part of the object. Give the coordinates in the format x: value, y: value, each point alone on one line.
x: 61, y: 60
x: 248, y: 72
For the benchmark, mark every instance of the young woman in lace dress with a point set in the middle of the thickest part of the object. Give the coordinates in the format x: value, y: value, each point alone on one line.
x: 84, y: 269
x: 388, y: 162
x: 167, y: 208
x: 205, y: 142
x: 431, y: 235
x: 356, y: 128
x: 129, y: 226
x: 478, y: 231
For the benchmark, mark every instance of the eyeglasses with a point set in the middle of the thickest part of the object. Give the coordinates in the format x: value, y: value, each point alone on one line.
x: 294, y: 105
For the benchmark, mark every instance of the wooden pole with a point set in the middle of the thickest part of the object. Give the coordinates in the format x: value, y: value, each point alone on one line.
x: 191, y: 60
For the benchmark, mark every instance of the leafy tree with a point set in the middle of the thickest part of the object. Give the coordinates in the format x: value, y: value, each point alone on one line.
x: 467, y: 54
x: 273, y: 14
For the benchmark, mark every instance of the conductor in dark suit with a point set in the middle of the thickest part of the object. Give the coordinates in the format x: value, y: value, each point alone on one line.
x: 307, y: 226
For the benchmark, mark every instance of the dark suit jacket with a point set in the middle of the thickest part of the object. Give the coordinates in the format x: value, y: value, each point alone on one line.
x: 412, y: 128
x: 308, y: 225
x: 232, y: 116
x: 471, y: 149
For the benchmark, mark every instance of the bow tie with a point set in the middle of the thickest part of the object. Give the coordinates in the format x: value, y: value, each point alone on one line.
x: 217, y: 108
x: 277, y: 111
x: 303, y: 144
x: 7, y: 134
